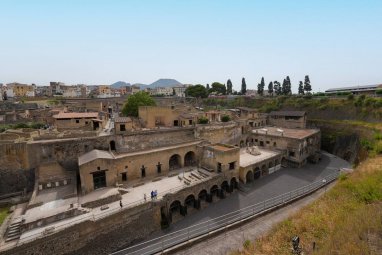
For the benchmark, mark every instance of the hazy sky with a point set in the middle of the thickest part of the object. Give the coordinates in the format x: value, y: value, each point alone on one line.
x: 337, y: 43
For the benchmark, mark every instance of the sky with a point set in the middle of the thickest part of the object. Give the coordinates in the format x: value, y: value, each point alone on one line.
x: 337, y: 43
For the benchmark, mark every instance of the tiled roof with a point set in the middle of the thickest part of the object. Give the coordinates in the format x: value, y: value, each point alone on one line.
x: 74, y: 115
x: 122, y: 119
x: 287, y: 113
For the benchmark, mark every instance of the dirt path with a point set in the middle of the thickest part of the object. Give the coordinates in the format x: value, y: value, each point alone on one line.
x: 233, y: 239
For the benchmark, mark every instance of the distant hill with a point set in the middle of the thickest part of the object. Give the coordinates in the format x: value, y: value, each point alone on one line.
x: 163, y: 83
x: 119, y: 84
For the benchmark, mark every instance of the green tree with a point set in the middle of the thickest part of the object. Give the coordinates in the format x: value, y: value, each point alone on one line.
x: 208, y: 87
x: 197, y: 91
x: 288, y: 86
x: 301, y: 88
x: 270, y: 88
x: 260, y: 87
x: 243, y: 86
x: 133, y: 102
x: 225, y: 118
x: 277, y: 88
x: 229, y: 87
x: 307, y: 86
x: 218, y: 88
x: 203, y: 120
x: 284, y: 86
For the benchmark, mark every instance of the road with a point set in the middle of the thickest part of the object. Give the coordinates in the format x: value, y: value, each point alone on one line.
x: 283, y: 181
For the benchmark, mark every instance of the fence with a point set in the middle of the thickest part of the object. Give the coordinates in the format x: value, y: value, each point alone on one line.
x: 206, y: 228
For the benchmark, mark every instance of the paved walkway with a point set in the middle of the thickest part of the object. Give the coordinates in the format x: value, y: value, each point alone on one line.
x: 234, y: 239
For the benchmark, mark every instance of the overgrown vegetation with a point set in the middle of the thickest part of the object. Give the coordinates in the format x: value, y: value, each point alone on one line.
x: 34, y: 125
x: 3, y: 214
x: 340, y: 222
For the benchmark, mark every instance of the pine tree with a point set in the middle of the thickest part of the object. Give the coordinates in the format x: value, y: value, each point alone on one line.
x: 229, y: 87
x: 243, y: 86
x: 300, y: 88
x: 270, y: 88
x: 208, y: 87
x: 307, y: 86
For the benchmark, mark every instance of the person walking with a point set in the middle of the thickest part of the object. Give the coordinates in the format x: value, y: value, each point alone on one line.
x: 120, y: 203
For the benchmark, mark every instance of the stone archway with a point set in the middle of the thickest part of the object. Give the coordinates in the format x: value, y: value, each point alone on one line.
x: 233, y: 183
x: 257, y: 173
x: 175, y: 207
x: 214, y: 190
x: 203, y: 195
x: 249, y: 177
x: 264, y: 170
x: 174, y: 162
x: 190, y: 201
x: 225, y: 186
x: 189, y: 159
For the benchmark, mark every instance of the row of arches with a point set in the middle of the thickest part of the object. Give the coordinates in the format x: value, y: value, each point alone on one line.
x: 258, y: 171
x: 175, y: 161
x: 194, y: 201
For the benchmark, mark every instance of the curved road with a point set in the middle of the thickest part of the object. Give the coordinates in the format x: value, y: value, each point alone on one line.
x: 282, y: 181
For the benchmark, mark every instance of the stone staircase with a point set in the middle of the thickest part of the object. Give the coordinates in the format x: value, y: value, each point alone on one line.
x: 14, y: 230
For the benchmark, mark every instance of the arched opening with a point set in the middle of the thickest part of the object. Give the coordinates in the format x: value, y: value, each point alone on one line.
x: 270, y: 164
x: 234, y: 183
x: 249, y: 177
x: 214, y: 190
x: 277, y: 162
x: 284, y: 162
x: 112, y: 145
x: 225, y: 186
x: 174, y: 162
x: 257, y: 173
x: 241, y: 144
x: 175, y: 207
x: 247, y: 142
x: 264, y: 170
x: 203, y: 195
x: 189, y: 159
x: 190, y: 201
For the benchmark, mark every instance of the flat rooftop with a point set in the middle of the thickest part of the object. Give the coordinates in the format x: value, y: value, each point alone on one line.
x: 222, y: 147
x: 247, y: 159
x: 296, y: 133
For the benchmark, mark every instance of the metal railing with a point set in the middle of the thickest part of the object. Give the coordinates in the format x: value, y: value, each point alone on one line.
x: 208, y: 227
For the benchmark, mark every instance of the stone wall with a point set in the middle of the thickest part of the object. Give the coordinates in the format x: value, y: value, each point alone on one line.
x: 98, y: 237
x: 229, y: 133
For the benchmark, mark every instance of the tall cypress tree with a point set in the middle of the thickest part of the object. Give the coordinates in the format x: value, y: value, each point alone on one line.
x: 270, y: 88
x: 284, y: 88
x: 288, y: 86
x: 260, y: 87
x: 229, y: 87
x: 300, y: 88
x: 307, y: 86
x: 243, y: 86
x: 208, y: 87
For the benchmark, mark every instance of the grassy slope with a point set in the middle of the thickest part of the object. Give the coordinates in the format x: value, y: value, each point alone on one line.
x: 340, y: 222
x: 3, y: 214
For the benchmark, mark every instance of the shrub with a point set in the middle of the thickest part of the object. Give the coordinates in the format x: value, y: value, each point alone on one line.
x: 20, y: 125
x: 202, y: 120
x: 225, y: 118
x: 350, y: 97
x: 378, y: 92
